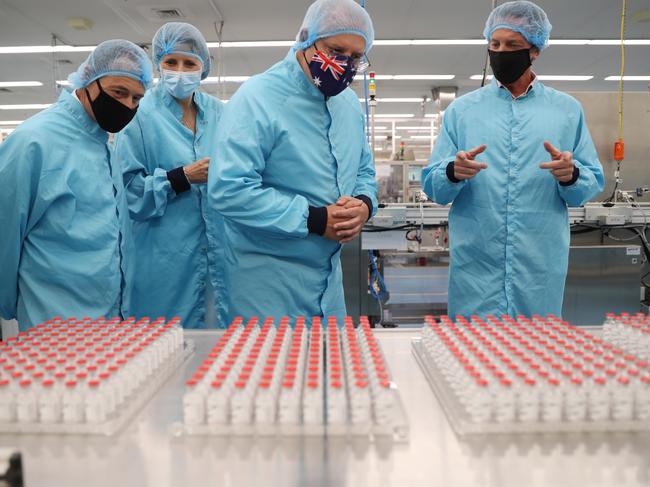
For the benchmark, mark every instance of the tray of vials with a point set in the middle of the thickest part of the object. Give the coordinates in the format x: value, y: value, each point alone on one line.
x: 506, y: 375
x: 267, y: 378
x: 87, y: 376
x: 629, y: 332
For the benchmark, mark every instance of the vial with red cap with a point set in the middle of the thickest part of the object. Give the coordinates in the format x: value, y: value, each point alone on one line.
x: 73, y: 402
x: 575, y: 399
x: 7, y: 401
x: 26, y: 402
x: 49, y: 402
x: 598, y: 399
x: 622, y: 399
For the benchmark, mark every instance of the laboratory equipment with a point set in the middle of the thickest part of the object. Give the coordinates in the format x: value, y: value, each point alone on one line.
x: 85, y: 376
x: 268, y: 377
x: 519, y: 375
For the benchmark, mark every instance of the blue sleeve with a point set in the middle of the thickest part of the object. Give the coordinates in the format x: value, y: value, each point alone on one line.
x: 435, y: 182
x: 591, y: 180
x: 147, y: 187
x: 236, y: 177
x: 366, y: 183
x: 20, y: 170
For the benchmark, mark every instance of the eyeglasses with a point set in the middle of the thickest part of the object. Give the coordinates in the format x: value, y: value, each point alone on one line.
x: 360, y: 62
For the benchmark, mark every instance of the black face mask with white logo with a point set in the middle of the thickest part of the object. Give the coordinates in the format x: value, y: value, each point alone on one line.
x: 110, y: 114
x: 509, y: 66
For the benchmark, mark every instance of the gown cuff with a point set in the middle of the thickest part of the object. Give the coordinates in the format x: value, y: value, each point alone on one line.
x: 178, y: 180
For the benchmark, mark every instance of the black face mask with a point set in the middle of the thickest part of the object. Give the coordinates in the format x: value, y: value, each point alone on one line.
x: 508, y: 66
x: 110, y: 114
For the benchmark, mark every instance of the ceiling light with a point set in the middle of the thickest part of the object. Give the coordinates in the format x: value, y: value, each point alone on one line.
x: 225, y: 79
x: 398, y: 100
x: 44, y: 49
x: 543, y: 77
x: 379, y: 42
x: 414, y: 128
x: 15, y: 84
x: 413, y: 77
x: 253, y: 44
x: 423, y: 137
x: 430, y: 42
x: 628, y: 78
x: 552, y: 77
x: 11, y: 122
x: 29, y: 106
x: 394, y: 115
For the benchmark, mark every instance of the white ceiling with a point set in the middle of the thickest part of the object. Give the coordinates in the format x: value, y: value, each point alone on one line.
x: 33, y: 22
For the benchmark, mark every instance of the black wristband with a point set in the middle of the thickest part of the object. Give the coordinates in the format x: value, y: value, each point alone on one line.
x: 450, y: 173
x: 317, y: 220
x: 574, y: 178
x: 178, y: 180
x: 368, y: 203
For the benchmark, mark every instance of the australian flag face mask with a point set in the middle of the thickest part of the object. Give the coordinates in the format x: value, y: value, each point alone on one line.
x: 331, y: 74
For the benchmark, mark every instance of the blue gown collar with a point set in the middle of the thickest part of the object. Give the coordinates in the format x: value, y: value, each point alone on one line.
x: 78, y: 112
x: 536, y: 88
x: 170, y: 102
x: 300, y: 79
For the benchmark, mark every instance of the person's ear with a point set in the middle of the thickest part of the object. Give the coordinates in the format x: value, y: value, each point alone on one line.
x: 534, y: 53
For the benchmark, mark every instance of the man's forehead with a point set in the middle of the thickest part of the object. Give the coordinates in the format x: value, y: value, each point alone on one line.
x: 123, y: 82
x: 507, y: 34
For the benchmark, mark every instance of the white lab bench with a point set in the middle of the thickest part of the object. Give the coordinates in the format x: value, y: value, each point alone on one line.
x: 145, y: 453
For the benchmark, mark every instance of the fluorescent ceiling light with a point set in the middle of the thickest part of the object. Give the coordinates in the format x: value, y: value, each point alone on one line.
x: 208, y: 81
x: 430, y: 42
x: 414, y: 128
x: 253, y: 44
x: 543, y: 77
x: 43, y: 49
x: 423, y: 137
x: 29, y: 106
x: 225, y: 79
x: 11, y: 122
x: 378, y: 42
x: 628, y: 78
x: 413, y: 77
x: 431, y: 115
x: 553, y: 77
x: 6, y: 131
x: 12, y: 84
x: 398, y: 100
x: 394, y: 115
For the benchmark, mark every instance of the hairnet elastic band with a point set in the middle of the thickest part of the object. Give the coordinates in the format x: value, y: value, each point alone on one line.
x: 310, y: 41
x: 514, y: 29
x: 145, y: 83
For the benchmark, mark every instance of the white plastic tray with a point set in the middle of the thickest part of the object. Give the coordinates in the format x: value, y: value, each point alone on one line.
x: 463, y: 425
x: 118, y: 419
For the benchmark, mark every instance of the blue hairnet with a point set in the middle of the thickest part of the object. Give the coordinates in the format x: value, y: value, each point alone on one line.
x: 327, y: 18
x: 181, y: 38
x: 524, y: 17
x: 116, y: 57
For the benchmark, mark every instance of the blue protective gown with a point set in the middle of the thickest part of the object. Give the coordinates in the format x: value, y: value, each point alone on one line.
x: 509, y: 227
x: 66, y: 241
x: 282, y: 148
x: 175, y: 256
